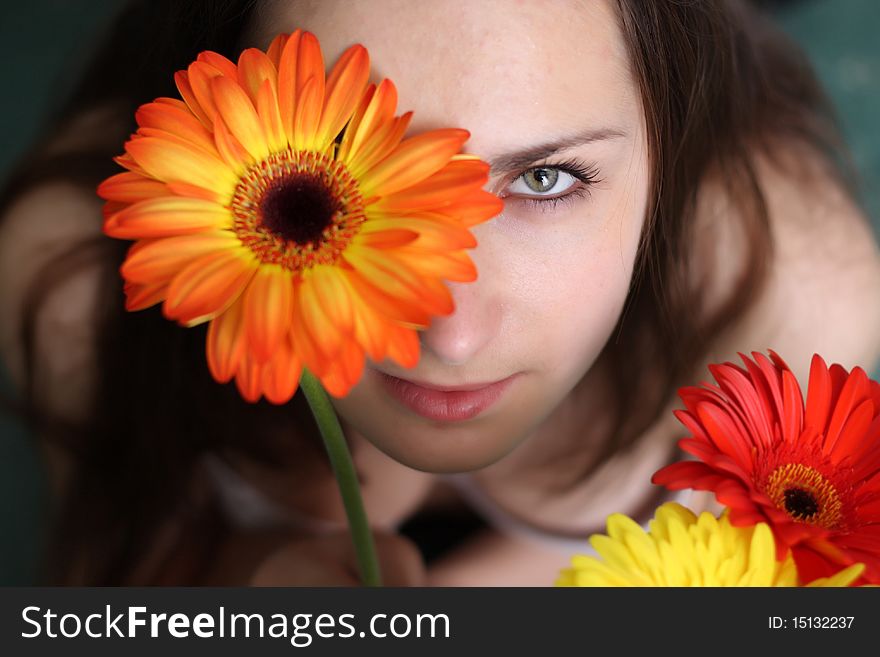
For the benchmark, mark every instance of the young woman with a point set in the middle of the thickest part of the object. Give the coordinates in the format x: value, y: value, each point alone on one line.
x: 675, y: 191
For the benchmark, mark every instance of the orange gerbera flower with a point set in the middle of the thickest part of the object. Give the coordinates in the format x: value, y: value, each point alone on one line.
x: 287, y: 210
x: 811, y: 471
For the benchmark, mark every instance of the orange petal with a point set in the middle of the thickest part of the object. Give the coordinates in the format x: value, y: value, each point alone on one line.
x: 331, y: 287
x: 171, y: 137
x: 270, y: 118
x: 240, y: 116
x: 225, y: 346
x: 177, y: 121
x: 249, y: 379
x: 309, y: 62
x: 441, y: 189
x: 287, y: 82
x: 171, y: 162
x: 326, y: 335
x: 230, y: 149
x: 308, y: 113
x: 173, y: 102
x: 301, y: 61
x: 281, y: 375
x: 403, y: 345
x: 111, y: 208
x: 399, y: 280
x: 376, y: 110
x: 345, y: 86
x: 162, y: 259
x: 138, y: 297
x: 345, y: 370
x: 127, y: 161
x: 181, y: 79
x: 392, y: 236
x: 434, y: 231
x: 378, y: 145
x: 218, y: 61
x: 167, y: 216
x: 267, y: 304
x: 473, y: 208
x: 414, y: 160
x: 200, y: 75
x: 303, y: 344
x: 255, y: 68
x: 277, y: 45
x: 130, y: 187
x: 369, y: 329
x: 450, y: 265
x: 194, y: 191
x: 388, y: 307
x: 208, y: 286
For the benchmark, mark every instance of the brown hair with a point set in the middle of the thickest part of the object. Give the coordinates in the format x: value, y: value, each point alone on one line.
x: 716, y: 80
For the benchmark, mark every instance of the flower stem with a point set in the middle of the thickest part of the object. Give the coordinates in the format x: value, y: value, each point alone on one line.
x: 349, y: 488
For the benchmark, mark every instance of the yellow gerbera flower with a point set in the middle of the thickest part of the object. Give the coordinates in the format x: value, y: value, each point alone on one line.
x: 681, y: 549
x: 287, y: 210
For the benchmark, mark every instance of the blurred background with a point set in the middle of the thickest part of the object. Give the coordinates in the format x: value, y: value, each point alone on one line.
x: 46, y: 42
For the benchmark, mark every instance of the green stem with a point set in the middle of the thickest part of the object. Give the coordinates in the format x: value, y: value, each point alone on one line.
x: 349, y: 488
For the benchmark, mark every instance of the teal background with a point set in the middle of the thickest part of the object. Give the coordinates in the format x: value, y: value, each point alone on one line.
x: 45, y: 41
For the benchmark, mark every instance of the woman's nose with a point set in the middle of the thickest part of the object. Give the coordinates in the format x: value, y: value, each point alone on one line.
x: 458, y: 338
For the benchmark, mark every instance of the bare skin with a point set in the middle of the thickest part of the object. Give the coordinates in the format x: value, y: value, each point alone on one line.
x: 828, y: 265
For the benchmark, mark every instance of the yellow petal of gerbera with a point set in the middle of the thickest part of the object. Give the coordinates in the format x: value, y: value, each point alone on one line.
x: 680, y: 549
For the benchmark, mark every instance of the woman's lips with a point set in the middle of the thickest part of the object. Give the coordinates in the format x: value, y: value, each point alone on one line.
x: 445, y: 403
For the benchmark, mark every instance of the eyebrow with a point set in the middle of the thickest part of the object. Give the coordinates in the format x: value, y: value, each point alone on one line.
x: 516, y: 160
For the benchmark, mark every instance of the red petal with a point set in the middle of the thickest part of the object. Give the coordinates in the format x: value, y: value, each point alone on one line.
x: 854, y: 432
x: 854, y: 390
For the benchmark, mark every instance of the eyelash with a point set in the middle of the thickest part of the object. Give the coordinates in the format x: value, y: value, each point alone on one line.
x: 586, y: 174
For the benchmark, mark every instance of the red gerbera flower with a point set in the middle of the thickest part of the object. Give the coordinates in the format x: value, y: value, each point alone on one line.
x: 812, y: 472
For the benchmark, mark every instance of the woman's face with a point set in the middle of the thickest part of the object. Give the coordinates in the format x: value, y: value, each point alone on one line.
x: 546, y: 93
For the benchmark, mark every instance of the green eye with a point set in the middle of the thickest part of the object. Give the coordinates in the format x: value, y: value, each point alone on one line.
x: 541, y: 180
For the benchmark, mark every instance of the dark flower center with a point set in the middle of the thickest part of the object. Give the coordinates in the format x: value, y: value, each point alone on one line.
x: 805, y: 495
x: 800, y: 503
x: 298, y: 208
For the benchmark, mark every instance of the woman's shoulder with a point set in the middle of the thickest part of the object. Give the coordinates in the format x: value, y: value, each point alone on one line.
x: 821, y: 292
